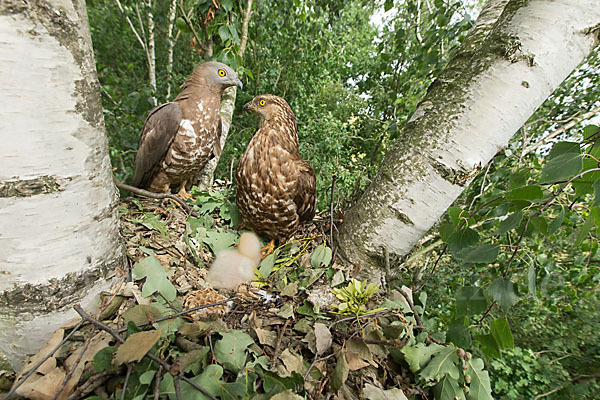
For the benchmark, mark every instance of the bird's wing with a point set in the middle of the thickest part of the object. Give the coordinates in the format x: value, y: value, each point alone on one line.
x: 305, y: 197
x: 217, y: 146
x: 159, y: 131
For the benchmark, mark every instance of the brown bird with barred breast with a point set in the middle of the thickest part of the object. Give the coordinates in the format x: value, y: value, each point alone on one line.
x: 179, y: 137
x: 276, y: 188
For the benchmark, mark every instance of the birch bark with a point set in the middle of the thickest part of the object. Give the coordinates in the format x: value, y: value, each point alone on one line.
x: 516, y: 55
x: 59, y: 226
x: 207, y: 175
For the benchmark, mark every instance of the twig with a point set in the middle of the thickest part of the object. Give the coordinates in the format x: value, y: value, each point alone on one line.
x: 139, y: 39
x: 170, y: 303
x: 389, y: 343
x: 79, y: 357
x: 36, y: 366
x: 540, y: 396
x: 157, y: 382
x: 279, y: 339
x: 181, y: 313
x: 317, y: 360
x: 332, y: 211
x: 127, y: 375
x: 410, y: 303
x: 560, y: 130
x: 151, y: 356
x: 152, y: 195
x: 177, y: 388
x: 189, y: 24
x: 90, y: 385
x: 432, y: 269
x: 231, y: 170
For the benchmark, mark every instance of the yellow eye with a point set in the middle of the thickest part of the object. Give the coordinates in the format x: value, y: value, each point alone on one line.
x: 222, y: 72
x: 261, y: 103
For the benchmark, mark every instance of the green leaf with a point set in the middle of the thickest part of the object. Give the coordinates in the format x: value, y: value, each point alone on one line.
x: 151, y: 221
x: 488, y: 345
x: 266, y: 265
x: 156, y: 278
x: 224, y: 33
x: 340, y: 373
x: 448, y: 389
x: 147, y: 377
x: 590, y: 131
x: 480, y: 388
x: 321, y: 256
x: 564, y: 162
x: 510, y: 223
x: 273, y: 383
x: 470, y: 300
x: 227, y: 5
x: 556, y: 222
x: 446, y: 230
x: 141, y: 313
x: 596, y: 187
x: 501, y: 332
x: 220, y: 240
x: 231, y: 349
x: 583, y: 231
x: 103, y: 359
x: 444, y: 363
x: 529, y: 193
x: 539, y: 225
x: 503, y: 292
x: 459, y: 334
x: 486, y: 253
x: 462, y: 239
x: 418, y: 356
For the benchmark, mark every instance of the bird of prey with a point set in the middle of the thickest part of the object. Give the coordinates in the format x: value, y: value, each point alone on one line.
x: 276, y: 188
x: 179, y: 137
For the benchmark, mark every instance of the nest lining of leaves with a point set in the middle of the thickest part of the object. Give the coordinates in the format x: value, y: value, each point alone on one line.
x: 304, y: 329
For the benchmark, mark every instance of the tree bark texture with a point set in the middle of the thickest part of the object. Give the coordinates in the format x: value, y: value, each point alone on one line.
x: 207, y: 175
x: 518, y: 52
x: 59, y: 226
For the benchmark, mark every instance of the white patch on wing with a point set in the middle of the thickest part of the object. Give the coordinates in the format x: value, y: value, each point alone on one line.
x: 200, y: 107
x: 188, y: 129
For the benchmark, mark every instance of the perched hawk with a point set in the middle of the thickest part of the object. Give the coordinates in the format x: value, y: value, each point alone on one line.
x: 275, y: 187
x: 180, y: 137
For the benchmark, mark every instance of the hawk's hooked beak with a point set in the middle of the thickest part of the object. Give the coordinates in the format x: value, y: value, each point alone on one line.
x: 247, y: 106
x: 239, y: 84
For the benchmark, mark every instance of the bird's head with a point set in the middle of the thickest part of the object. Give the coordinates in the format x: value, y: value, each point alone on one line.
x: 216, y: 75
x: 269, y: 107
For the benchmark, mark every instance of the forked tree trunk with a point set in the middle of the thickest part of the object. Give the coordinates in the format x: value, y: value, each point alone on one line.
x: 517, y: 54
x: 59, y: 230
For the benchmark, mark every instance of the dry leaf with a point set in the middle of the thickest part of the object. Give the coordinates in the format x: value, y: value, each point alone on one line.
x: 371, y: 392
x: 323, y: 337
x: 39, y: 387
x: 358, y: 355
x: 136, y: 346
x: 49, y: 364
x: 266, y: 337
x: 292, y: 362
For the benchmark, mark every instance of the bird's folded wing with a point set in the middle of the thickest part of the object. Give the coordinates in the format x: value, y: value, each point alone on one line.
x: 305, y: 197
x: 158, y: 133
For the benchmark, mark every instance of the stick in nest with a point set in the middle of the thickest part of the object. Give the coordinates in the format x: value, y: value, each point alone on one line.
x: 152, y: 195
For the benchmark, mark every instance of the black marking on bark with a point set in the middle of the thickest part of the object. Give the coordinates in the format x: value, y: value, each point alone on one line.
x: 30, y: 187
x: 403, y: 217
x: 71, y: 36
x: 57, y: 294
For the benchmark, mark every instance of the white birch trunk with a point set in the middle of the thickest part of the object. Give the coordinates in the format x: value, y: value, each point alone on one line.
x: 151, y: 51
x: 171, y: 47
x: 505, y: 69
x: 59, y: 227
x: 207, y: 175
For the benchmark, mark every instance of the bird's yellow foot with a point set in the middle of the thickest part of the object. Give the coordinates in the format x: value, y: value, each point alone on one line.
x: 182, y: 194
x: 268, y: 249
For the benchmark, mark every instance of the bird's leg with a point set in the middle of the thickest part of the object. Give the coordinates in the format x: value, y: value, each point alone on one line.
x: 182, y: 194
x: 268, y: 249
